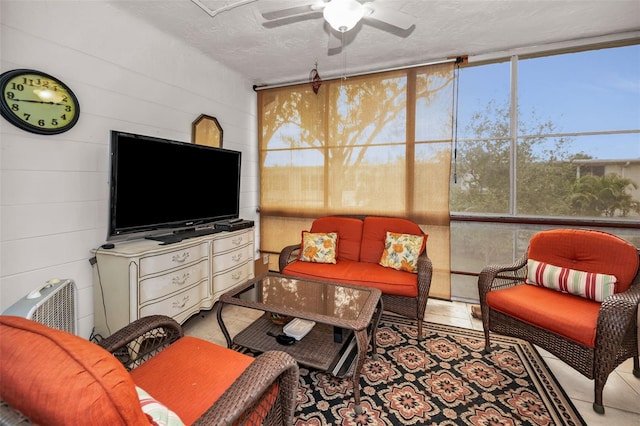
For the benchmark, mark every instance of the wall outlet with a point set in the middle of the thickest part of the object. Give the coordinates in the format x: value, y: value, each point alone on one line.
x: 265, y: 259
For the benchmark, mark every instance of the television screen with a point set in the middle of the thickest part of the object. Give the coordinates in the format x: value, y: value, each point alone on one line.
x: 159, y: 186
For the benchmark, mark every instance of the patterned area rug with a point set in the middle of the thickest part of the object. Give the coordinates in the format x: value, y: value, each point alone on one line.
x: 445, y: 379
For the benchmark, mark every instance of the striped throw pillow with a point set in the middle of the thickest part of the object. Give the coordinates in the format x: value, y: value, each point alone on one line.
x: 158, y: 414
x: 585, y: 284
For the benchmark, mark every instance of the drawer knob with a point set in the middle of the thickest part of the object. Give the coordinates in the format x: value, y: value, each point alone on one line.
x: 181, y: 280
x: 181, y: 258
x: 236, y: 257
x: 236, y: 276
x: 179, y: 304
x: 237, y: 241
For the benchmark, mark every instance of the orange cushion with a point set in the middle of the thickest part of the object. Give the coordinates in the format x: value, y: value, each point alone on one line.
x: 388, y: 280
x: 349, y: 234
x: 56, y: 378
x: 190, y: 375
x: 374, y: 234
x: 573, y: 317
x: 589, y: 251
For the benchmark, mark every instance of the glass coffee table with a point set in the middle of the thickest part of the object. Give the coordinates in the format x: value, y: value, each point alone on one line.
x: 346, y: 318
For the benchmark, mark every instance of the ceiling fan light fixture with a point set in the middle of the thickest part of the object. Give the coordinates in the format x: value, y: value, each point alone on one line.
x: 343, y: 15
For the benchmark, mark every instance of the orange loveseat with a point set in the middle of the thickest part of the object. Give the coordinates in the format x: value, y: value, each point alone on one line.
x: 55, y: 378
x: 359, y: 249
x: 574, y: 293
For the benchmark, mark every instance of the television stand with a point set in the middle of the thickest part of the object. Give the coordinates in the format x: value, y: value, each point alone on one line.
x: 178, y: 280
x: 178, y: 236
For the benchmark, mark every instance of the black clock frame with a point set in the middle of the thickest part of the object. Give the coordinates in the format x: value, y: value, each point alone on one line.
x: 5, y: 110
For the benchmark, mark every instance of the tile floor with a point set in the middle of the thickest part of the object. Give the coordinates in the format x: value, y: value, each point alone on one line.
x: 621, y: 393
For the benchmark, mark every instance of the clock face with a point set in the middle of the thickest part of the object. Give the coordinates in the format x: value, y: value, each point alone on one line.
x: 37, y: 102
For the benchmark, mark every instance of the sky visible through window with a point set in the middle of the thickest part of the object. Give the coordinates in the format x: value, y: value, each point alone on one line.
x: 591, y: 91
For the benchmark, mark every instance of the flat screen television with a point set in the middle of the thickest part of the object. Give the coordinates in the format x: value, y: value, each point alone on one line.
x: 163, y: 187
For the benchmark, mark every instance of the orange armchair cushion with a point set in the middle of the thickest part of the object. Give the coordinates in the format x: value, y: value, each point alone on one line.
x: 573, y: 317
x: 190, y: 375
x: 587, y: 250
x: 56, y: 378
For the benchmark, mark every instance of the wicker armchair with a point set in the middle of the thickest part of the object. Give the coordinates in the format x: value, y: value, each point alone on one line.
x: 615, y: 319
x: 264, y: 393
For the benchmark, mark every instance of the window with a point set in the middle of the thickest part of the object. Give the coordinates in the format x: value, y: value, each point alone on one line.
x: 566, y: 154
x: 377, y: 144
x: 570, y: 149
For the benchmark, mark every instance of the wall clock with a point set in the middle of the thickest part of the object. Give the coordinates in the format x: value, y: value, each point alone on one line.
x: 37, y: 102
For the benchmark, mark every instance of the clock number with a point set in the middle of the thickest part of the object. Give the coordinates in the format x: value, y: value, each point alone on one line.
x: 10, y: 95
x: 15, y: 107
x: 19, y: 87
x: 54, y: 122
x: 41, y: 123
x: 67, y: 108
x: 26, y: 116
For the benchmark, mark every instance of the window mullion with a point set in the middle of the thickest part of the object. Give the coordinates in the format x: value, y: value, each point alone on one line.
x: 513, y: 130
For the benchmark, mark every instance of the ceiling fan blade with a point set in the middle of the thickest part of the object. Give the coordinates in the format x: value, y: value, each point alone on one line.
x: 311, y: 6
x: 389, y: 16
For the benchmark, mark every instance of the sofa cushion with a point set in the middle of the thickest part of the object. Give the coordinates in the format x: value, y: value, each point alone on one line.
x: 587, y: 250
x: 401, y: 251
x: 549, y: 310
x: 585, y: 284
x: 56, y: 378
x: 389, y: 281
x: 349, y: 232
x: 190, y: 375
x: 319, y: 247
x: 374, y: 234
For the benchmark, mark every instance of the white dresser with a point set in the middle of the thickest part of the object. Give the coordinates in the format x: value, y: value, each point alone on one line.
x: 142, y: 277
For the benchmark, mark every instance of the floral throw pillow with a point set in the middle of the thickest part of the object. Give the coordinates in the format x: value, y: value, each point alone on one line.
x: 319, y: 247
x: 585, y: 284
x: 401, y: 251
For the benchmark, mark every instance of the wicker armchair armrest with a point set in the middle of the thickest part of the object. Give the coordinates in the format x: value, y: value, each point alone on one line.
x: 493, y: 277
x: 288, y: 255
x: 243, y: 397
x: 143, y: 338
x: 618, y: 313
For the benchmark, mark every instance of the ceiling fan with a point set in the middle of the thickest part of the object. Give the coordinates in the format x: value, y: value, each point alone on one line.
x: 344, y: 15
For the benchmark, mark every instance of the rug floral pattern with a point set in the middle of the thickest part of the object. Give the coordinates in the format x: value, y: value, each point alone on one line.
x: 444, y: 379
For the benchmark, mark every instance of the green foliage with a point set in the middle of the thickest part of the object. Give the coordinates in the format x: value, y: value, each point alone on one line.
x: 546, y: 183
x: 603, y: 196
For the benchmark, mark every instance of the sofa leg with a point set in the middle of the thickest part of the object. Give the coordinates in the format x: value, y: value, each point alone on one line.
x: 636, y: 366
x: 597, y: 403
x: 419, y: 329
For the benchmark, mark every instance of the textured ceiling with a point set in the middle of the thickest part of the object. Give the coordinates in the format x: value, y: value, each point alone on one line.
x: 287, y: 51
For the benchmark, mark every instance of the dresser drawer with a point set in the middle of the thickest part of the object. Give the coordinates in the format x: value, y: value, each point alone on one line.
x: 183, y: 256
x: 232, y: 242
x: 175, y: 281
x: 223, y: 282
x: 232, y: 259
x: 179, y: 306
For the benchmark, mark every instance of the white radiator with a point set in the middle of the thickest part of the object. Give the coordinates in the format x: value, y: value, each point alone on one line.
x: 53, y: 304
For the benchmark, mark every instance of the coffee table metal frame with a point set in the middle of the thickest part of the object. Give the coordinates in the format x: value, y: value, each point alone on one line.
x: 319, y: 348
